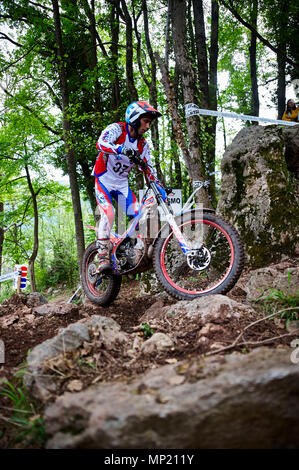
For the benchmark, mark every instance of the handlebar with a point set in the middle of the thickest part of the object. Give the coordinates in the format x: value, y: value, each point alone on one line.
x: 136, y: 159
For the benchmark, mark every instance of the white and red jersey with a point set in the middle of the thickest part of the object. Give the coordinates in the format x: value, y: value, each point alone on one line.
x: 112, y: 167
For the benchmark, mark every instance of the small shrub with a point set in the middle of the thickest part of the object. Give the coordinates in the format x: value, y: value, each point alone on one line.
x: 6, y: 291
x: 147, y: 330
x: 30, y: 423
x: 280, y: 300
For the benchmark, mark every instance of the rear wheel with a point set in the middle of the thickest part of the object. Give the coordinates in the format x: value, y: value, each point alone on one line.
x: 213, y: 267
x: 101, y: 289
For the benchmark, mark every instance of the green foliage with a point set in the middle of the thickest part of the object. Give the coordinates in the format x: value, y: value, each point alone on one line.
x: 234, y: 59
x: 147, y: 330
x: 282, y: 300
x: 57, y: 260
x: 20, y: 370
x: 6, y: 290
x: 31, y: 425
x: 63, y: 265
x: 83, y: 362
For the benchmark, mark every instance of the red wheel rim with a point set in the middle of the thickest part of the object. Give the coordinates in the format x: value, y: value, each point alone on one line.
x: 92, y: 286
x: 181, y: 289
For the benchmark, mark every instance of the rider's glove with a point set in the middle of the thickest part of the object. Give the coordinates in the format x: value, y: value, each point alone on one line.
x: 168, y: 190
x: 128, y: 152
x: 132, y: 154
x: 134, y: 157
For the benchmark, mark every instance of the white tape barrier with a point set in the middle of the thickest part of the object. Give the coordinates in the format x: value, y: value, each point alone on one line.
x: 7, y: 276
x: 192, y: 109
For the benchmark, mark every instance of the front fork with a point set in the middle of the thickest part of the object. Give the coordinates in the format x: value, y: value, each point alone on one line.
x: 185, y: 247
x: 178, y: 234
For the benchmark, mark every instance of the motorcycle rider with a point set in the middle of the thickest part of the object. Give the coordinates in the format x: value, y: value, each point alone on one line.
x: 117, y: 146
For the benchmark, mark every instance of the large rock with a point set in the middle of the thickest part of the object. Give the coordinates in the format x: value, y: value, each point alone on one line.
x: 41, y: 385
x: 201, y: 310
x: 215, y: 312
x: 157, y: 343
x: 291, y: 137
x: 56, y: 308
x: 240, y: 401
x: 258, y: 193
x: 33, y: 299
x: 279, y: 277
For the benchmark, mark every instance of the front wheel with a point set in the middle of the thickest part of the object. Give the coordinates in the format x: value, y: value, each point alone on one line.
x: 213, y: 267
x: 101, y: 289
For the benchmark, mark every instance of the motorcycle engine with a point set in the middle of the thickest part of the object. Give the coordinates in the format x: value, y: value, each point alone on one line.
x: 126, y: 253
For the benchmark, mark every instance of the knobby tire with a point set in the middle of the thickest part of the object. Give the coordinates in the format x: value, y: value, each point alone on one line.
x: 227, y: 258
x: 103, y: 289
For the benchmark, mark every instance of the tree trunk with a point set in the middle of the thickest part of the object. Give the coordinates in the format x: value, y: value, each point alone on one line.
x: 212, y: 122
x: 207, y: 76
x: 202, y: 58
x: 129, y: 55
x: 70, y: 152
x: 190, y: 93
x: 281, y: 85
x: 114, y: 26
x: 253, y: 67
x: 35, y: 232
x: 174, y: 147
x: 88, y: 182
x: 214, y: 55
x: 177, y: 179
x: 94, y: 58
x: 153, y: 93
x: 175, y: 116
x: 190, y: 34
x: 282, y: 55
x: 167, y: 35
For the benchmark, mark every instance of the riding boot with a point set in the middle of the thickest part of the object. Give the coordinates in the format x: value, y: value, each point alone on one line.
x: 103, y: 246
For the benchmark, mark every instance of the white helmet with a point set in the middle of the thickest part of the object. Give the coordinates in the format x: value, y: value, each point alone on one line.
x: 136, y: 109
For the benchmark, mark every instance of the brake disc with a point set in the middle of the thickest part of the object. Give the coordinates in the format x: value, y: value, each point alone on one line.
x: 199, y: 259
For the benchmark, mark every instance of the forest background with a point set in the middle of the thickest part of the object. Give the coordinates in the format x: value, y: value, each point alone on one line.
x: 68, y: 68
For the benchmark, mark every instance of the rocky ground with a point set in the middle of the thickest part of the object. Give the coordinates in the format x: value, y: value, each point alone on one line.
x: 68, y: 348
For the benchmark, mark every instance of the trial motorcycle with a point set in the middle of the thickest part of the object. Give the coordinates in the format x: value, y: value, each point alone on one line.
x: 193, y: 253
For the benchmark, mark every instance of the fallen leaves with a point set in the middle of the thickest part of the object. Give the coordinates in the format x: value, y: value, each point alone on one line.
x: 171, y: 360
x: 75, y: 386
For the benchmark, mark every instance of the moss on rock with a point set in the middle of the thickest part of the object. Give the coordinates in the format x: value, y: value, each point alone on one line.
x: 258, y: 194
